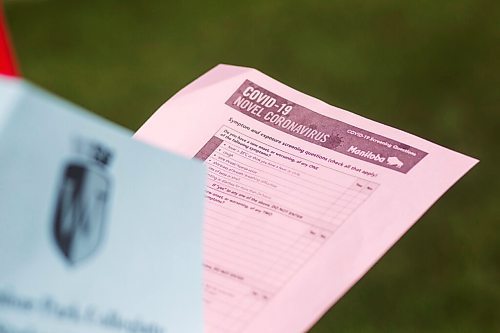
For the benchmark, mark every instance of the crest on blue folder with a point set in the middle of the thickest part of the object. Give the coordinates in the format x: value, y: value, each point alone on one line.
x: 82, y: 202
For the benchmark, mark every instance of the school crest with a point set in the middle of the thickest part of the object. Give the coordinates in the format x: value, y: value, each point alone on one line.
x: 82, y: 202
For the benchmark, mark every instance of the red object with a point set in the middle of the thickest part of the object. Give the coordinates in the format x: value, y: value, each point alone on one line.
x: 7, y: 59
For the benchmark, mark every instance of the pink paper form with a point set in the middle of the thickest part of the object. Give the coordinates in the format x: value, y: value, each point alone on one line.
x: 302, y: 198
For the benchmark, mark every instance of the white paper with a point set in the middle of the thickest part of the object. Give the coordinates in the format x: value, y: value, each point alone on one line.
x: 302, y: 197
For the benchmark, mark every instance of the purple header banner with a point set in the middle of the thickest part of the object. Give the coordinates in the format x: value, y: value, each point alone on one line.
x: 296, y: 120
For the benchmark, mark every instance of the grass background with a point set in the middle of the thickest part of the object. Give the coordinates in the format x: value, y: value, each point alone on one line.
x: 428, y: 67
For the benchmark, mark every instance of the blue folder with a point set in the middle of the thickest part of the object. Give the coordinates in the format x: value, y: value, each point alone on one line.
x: 98, y: 232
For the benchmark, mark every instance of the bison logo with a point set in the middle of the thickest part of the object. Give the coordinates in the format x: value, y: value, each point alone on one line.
x: 82, y: 203
x: 394, y: 161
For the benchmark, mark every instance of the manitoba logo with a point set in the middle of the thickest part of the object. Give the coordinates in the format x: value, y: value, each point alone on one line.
x: 394, y: 161
x: 82, y: 202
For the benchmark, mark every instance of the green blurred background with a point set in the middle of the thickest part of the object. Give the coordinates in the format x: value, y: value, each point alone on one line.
x: 428, y: 67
